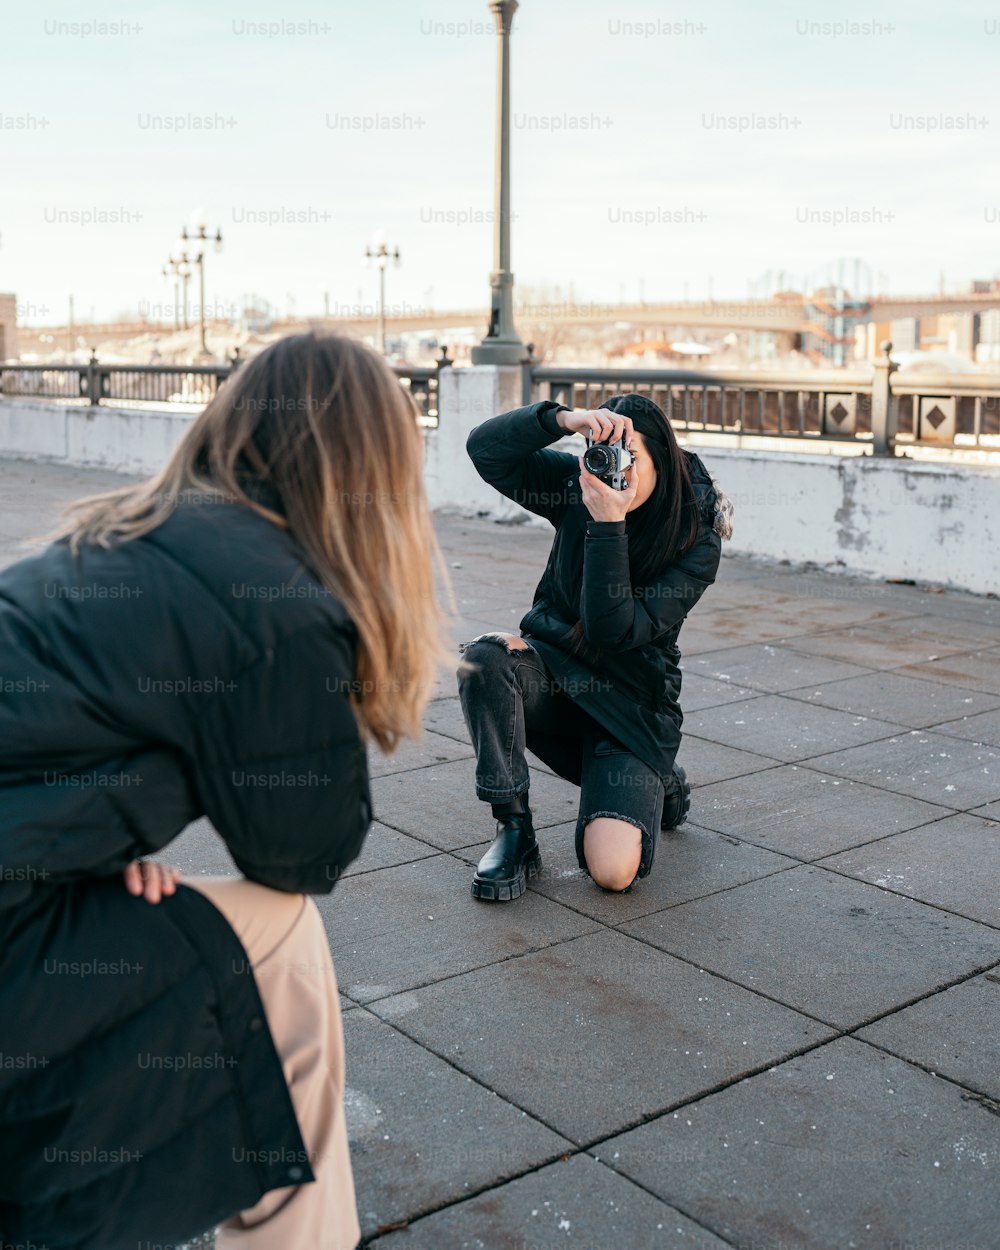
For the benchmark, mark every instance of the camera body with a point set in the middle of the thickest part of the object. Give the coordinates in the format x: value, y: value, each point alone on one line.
x: 608, y: 461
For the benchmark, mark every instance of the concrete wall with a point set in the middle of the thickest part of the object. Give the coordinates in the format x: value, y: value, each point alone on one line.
x: 898, y: 518
x: 932, y: 522
x: 126, y: 440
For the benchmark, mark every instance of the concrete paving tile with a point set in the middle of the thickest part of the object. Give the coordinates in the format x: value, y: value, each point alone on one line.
x: 401, y: 927
x: 422, y: 1133
x: 493, y: 614
x: 953, y: 1033
x: 799, y: 615
x: 429, y: 748
x: 783, y: 728
x: 982, y: 728
x: 797, y: 810
x: 976, y: 670
x: 444, y: 685
x: 444, y: 716
x: 826, y: 603
x: 698, y: 692
x: 439, y: 804
x: 841, y: 950
x: 579, y: 1202
x: 770, y: 667
x: 886, y: 646
x: 491, y: 619
x: 910, y: 701
x: 973, y: 631
x: 599, y: 1032
x: 974, y: 627
x: 735, y: 568
x: 990, y: 810
x: 33, y: 496
x: 706, y: 761
x: 843, y: 601
x: 924, y: 764
x: 689, y: 863
x: 953, y: 863
x: 737, y: 627
x: 842, y: 1147
x: 694, y: 640
x: 461, y: 625
x: 961, y: 605
x: 385, y: 847
x: 199, y: 850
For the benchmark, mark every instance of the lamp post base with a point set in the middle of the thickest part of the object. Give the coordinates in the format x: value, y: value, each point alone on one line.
x: 499, y: 352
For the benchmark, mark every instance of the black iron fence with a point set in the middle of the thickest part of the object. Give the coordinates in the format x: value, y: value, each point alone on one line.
x: 886, y: 411
x: 96, y: 382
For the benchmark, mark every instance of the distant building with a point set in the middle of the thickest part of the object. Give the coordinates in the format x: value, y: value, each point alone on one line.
x: 8, y: 327
x: 905, y: 334
x: 988, y: 342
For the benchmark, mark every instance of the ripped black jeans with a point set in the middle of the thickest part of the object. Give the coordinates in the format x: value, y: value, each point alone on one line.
x: 512, y: 703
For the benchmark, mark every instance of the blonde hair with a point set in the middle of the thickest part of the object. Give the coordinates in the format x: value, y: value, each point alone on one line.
x: 324, y: 421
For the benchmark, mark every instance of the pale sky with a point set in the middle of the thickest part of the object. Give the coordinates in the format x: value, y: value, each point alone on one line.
x: 624, y: 176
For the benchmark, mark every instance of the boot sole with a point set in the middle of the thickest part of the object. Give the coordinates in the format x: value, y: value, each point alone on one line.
x: 505, y: 891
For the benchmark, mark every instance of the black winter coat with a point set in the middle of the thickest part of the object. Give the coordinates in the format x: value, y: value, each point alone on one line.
x: 200, y: 670
x: 633, y: 689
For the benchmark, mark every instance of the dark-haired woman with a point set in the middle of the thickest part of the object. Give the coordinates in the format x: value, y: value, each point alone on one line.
x: 592, y: 684
x: 222, y: 640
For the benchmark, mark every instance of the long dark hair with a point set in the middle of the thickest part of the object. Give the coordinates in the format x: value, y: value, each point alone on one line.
x: 664, y: 528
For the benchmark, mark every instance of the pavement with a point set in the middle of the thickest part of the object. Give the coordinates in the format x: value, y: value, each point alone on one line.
x: 785, y: 1038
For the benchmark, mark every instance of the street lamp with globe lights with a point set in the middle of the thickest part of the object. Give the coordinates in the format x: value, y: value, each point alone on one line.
x: 178, y: 270
x: 502, y: 344
x: 378, y: 252
x: 196, y: 243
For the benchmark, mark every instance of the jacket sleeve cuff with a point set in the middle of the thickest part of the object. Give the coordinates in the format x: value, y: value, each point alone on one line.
x: 546, y: 415
x: 605, y: 529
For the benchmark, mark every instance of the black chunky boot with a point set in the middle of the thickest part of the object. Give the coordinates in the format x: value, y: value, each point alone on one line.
x: 677, y: 803
x: 514, y: 856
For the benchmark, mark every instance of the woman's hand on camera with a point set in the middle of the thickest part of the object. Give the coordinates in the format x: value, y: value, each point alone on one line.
x: 604, y: 503
x: 600, y: 424
x: 151, y: 880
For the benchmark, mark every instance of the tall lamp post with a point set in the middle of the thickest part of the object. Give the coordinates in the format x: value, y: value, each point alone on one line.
x: 502, y: 344
x: 181, y: 273
x: 199, y: 239
x: 381, y: 255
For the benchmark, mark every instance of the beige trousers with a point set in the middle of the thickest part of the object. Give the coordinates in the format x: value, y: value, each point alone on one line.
x: 286, y: 944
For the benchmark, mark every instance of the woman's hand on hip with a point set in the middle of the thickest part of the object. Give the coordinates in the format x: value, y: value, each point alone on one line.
x: 604, y: 503
x: 151, y: 880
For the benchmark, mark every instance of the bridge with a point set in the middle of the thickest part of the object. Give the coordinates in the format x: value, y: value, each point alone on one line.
x: 788, y: 313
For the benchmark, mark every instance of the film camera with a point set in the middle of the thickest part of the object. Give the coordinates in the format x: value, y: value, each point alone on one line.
x: 608, y: 461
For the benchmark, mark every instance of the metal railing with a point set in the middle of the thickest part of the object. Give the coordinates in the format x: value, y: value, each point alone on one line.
x: 95, y: 383
x: 422, y: 383
x: 885, y: 411
x: 774, y: 404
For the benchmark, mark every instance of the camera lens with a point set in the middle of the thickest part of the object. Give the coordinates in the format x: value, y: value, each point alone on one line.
x: 598, y: 459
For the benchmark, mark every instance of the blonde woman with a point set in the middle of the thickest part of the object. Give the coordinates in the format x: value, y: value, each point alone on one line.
x: 222, y: 640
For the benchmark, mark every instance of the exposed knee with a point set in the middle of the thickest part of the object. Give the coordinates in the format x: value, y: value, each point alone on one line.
x: 613, y: 851
x: 487, y: 649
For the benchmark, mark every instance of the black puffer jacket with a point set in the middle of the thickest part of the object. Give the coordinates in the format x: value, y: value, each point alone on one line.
x: 200, y: 670
x: 633, y: 690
